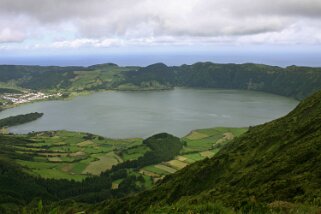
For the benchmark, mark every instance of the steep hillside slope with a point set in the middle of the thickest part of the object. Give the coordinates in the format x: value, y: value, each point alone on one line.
x: 276, y: 161
x: 272, y: 79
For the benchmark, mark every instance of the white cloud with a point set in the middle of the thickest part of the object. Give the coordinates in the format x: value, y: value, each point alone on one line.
x: 105, y: 23
x: 74, y: 43
x: 11, y: 35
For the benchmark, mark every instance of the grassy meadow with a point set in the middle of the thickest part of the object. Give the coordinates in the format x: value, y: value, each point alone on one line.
x: 199, y: 144
x: 76, y: 155
x: 72, y: 155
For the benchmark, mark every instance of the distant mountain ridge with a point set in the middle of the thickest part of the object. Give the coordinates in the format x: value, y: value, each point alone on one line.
x: 293, y: 81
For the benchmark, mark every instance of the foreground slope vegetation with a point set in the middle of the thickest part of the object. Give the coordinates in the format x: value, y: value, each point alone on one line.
x: 277, y: 164
x: 74, y: 168
x: 283, y: 81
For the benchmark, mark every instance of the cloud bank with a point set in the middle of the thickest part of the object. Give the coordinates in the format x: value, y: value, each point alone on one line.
x: 105, y: 23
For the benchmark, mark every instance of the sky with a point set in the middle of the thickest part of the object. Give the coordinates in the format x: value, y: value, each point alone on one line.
x: 282, y: 32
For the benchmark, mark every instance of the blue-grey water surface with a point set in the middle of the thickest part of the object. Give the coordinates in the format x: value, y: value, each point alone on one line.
x: 118, y: 114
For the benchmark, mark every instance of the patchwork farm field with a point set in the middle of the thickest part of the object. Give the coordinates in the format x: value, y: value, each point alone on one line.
x: 75, y: 155
x: 71, y: 155
x: 199, y: 144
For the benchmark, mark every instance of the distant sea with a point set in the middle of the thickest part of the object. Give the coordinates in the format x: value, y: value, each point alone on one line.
x: 141, y: 59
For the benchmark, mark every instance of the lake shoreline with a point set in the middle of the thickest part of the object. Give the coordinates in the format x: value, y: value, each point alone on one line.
x: 120, y: 114
x: 75, y: 94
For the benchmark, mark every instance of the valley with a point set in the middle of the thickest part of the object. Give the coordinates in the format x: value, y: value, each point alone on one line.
x: 101, y: 152
x: 160, y: 107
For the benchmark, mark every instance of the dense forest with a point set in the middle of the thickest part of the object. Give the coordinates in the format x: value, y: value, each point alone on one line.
x: 272, y: 79
x: 283, y: 81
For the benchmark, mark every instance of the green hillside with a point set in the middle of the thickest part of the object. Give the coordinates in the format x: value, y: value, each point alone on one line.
x: 283, y: 81
x: 60, y: 166
x: 276, y: 164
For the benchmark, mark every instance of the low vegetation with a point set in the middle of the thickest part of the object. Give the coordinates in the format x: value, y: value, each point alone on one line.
x: 19, y: 119
x: 71, y: 155
x: 107, y: 167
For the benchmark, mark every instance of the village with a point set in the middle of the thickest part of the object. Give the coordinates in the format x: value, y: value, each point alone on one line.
x: 26, y: 97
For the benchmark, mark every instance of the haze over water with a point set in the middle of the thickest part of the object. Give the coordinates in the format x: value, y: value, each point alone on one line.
x: 278, y: 58
x: 118, y: 114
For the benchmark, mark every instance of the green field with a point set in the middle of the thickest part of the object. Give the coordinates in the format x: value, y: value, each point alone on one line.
x: 103, y: 163
x: 176, y: 164
x: 207, y: 139
x: 159, y: 172
x: 104, y: 168
x: 75, y: 155
x: 200, y: 144
x: 71, y: 155
x: 134, y: 152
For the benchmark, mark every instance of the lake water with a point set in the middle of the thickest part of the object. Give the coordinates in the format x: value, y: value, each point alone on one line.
x: 140, y: 114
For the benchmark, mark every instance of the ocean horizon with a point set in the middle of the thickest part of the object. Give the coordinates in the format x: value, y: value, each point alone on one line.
x: 170, y: 59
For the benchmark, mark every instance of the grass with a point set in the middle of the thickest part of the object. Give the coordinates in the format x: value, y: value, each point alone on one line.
x: 181, y: 158
x: 156, y: 170
x: 134, y: 153
x: 76, y: 155
x: 194, y: 156
x: 148, y: 181
x: 194, y: 135
x: 72, y: 155
x: 49, y: 170
x: 99, y: 76
x: 80, y: 166
x: 56, y: 173
x: 85, y: 143
x: 104, y: 163
x: 207, y: 154
x: 55, y: 159
x: 165, y: 168
x: 67, y: 167
x: 177, y: 164
x: 36, y: 164
x: 205, y: 139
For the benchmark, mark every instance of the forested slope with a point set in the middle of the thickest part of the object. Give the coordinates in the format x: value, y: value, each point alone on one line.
x: 293, y: 81
x: 276, y: 161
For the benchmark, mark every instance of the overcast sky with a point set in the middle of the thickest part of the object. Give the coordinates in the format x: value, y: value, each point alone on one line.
x: 28, y: 26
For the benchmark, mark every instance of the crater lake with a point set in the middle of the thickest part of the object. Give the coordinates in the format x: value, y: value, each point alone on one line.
x: 121, y: 114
